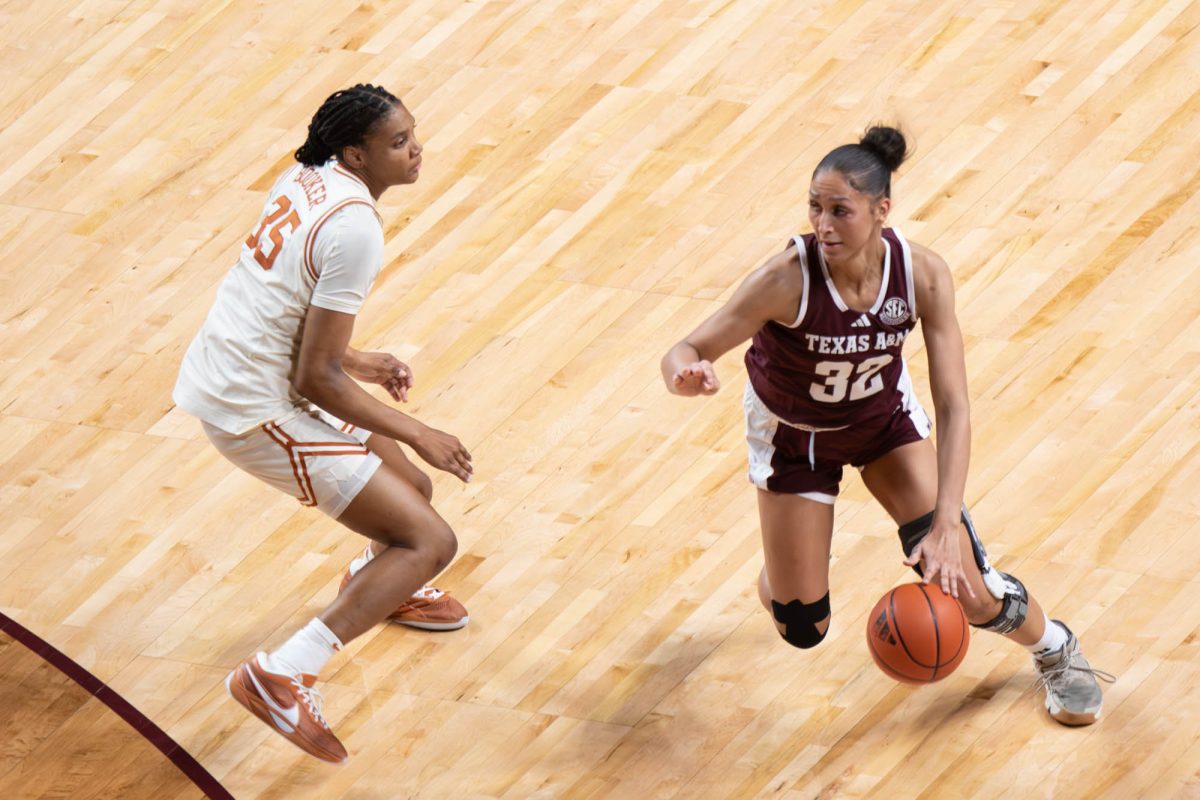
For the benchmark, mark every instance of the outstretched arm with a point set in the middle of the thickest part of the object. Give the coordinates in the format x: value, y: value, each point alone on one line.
x: 772, y: 292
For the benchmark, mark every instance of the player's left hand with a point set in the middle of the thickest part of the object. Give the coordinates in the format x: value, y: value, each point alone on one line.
x: 384, y: 369
x: 696, y: 378
x: 941, y: 560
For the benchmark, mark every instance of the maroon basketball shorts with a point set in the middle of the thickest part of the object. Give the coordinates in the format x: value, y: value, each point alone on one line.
x: 799, y: 459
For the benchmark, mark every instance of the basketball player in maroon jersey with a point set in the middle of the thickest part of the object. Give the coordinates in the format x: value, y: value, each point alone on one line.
x: 828, y: 387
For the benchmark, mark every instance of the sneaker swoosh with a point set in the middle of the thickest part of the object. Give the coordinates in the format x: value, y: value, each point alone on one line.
x: 283, y: 726
x: 292, y: 715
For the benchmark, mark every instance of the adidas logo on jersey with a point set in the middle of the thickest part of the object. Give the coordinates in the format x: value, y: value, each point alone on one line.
x: 862, y: 322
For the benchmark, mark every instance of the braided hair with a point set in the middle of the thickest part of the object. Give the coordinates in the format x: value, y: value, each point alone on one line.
x: 345, y: 118
x: 868, y: 165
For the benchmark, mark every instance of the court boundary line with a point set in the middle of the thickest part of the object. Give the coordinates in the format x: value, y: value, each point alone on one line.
x: 143, y: 725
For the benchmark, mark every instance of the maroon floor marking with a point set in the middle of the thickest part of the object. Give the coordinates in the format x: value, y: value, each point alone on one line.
x: 136, y: 719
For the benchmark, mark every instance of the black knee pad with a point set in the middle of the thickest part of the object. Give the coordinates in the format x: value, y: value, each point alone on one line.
x: 800, y: 621
x: 1014, y: 609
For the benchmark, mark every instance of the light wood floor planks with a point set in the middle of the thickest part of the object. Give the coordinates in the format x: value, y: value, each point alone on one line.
x: 599, y: 177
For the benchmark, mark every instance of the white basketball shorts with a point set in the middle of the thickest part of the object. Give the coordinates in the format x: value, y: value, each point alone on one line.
x: 309, y: 454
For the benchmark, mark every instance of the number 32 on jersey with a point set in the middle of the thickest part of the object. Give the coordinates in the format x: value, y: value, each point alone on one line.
x: 277, y: 225
x: 844, y: 378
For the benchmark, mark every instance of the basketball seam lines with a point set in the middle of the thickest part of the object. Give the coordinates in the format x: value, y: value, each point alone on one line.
x: 937, y: 634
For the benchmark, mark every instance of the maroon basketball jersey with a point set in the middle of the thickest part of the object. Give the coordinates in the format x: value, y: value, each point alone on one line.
x: 835, y: 367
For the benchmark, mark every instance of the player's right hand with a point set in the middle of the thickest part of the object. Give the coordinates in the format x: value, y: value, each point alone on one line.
x: 941, y: 560
x: 445, y: 452
x: 696, y: 378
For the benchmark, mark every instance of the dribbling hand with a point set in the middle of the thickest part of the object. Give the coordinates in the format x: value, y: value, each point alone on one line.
x: 941, y: 560
x: 445, y: 452
x: 696, y: 378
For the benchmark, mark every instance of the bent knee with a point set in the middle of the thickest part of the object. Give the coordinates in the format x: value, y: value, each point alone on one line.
x: 806, y: 636
x: 443, y: 549
x: 433, y: 548
x: 436, y: 544
x: 424, y: 531
x: 802, y: 625
x: 1007, y: 614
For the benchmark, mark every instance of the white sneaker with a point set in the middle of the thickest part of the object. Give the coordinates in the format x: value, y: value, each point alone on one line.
x: 1073, y: 695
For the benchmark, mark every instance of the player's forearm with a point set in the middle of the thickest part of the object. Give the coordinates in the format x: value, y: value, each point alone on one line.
x: 953, y: 458
x: 349, y: 364
x: 334, y: 391
x: 675, y: 360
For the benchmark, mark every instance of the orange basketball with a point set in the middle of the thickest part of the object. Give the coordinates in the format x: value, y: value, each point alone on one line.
x: 917, y: 633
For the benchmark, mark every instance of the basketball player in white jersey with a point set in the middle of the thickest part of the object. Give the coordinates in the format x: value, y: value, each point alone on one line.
x: 827, y: 387
x: 271, y: 377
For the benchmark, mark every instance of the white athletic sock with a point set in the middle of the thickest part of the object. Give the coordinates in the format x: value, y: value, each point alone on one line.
x: 1053, y: 639
x: 307, y: 652
x: 361, y: 561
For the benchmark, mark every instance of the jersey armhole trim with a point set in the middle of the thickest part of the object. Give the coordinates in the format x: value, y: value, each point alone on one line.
x: 885, y: 281
x: 802, y: 253
x: 908, y: 272
x: 311, y: 241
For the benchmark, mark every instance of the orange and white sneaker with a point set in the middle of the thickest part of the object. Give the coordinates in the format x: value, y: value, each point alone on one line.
x: 429, y: 609
x: 289, y: 704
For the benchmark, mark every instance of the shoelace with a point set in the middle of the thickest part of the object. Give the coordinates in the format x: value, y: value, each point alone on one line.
x: 312, y: 699
x: 1050, y: 675
x: 428, y: 593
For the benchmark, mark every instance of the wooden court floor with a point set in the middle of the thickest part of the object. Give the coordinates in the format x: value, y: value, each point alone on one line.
x: 599, y: 176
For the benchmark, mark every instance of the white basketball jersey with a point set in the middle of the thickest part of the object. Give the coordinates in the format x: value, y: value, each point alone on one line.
x: 318, y: 242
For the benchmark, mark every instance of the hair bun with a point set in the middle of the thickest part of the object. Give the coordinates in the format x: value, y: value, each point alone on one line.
x: 887, y: 143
